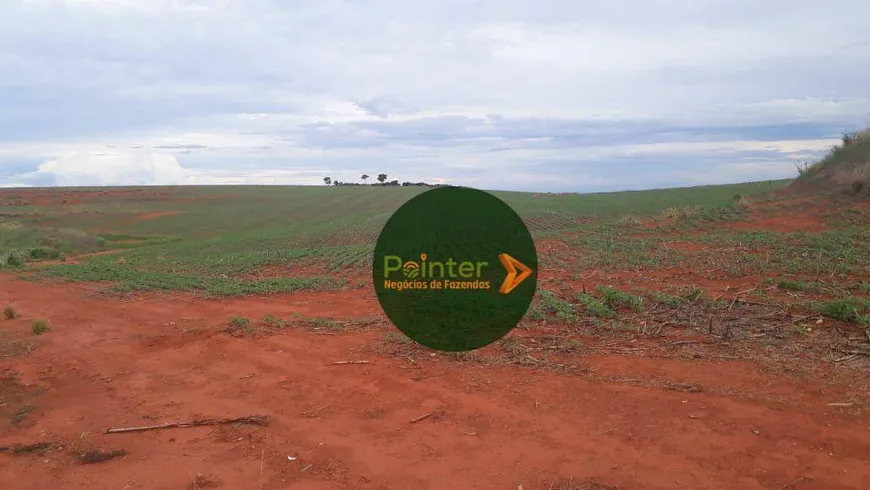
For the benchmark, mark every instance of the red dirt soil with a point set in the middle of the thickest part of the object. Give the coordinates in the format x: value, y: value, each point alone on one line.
x: 108, y: 363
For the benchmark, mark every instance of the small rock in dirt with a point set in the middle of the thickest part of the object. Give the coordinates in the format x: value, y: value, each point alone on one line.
x: 96, y: 456
x: 201, y: 481
x: 686, y: 387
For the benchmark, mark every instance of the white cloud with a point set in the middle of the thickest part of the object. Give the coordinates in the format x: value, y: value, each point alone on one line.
x: 287, y: 90
x: 111, y: 168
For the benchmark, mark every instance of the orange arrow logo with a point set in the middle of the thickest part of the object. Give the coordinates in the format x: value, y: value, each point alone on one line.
x: 512, y: 280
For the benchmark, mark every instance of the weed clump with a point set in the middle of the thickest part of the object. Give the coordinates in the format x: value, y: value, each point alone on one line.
x: 854, y: 310
x: 683, y: 213
x: 793, y: 285
x: 615, y: 298
x: 630, y: 220
x: 239, y: 325
x: 38, y: 253
x: 9, y: 313
x: 668, y: 300
x: 550, y: 303
x: 693, y: 294
x: 595, y: 306
x: 274, y: 321
x: 40, y: 327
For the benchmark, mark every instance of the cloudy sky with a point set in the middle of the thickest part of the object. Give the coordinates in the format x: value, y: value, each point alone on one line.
x: 557, y: 95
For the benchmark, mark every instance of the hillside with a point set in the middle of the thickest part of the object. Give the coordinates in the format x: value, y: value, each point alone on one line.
x: 846, y: 167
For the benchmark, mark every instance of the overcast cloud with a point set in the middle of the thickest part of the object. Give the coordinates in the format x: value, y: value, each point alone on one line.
x: 559, y: 95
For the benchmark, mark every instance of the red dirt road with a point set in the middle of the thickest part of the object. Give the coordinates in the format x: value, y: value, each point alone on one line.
x: 108, y: 363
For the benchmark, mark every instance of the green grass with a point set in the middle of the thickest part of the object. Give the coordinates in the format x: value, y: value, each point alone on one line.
x: 615, y: 298
x: 237, y: 323
x: 274, y: 322
x: 668, y: 299
x: 20, y: 243
x: 844, y: 250
x: 849, y: 309
x: 791, y: 285
x: 594, y: 306
x: 550, y: 303
x: 127, y: 278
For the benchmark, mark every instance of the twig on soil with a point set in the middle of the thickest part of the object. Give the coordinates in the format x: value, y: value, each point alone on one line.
x: 422, y: 417
x: 251, y: 419
x: 349, y: 362
x: 37, y: 447
x: 758, y: 303
x: 846, y: 358
x: 262, y: 455
x: 792, y: 484
x: 314, y: 411
x: 844, y: 405
x: 683, y: 342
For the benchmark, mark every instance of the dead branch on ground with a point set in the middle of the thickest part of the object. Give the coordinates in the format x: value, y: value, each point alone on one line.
x: 251, y: 419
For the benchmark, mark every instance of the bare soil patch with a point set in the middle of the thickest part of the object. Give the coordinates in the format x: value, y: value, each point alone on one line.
x: 640, y: 422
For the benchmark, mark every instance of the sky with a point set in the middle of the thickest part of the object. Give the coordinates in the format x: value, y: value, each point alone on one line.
x: 533, y: 95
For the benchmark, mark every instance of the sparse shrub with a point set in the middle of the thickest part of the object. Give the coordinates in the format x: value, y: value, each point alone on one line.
x: 13, y: 261
x: 595, y: 306
x: 858, y: 187
x: 615, y: 298
x: 9, y: 312
x: 40, y: 327
x: 849, y: 137
x: 802, y: 167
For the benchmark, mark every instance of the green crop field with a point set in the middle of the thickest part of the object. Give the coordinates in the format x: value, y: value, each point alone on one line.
x: 219, y: 239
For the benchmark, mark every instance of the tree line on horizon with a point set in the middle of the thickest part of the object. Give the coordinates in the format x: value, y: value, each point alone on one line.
x: 382, y: 181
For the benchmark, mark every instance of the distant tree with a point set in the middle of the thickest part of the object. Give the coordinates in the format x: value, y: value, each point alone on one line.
x: 382, y: 178
x: 327, y: 180
x: 364, y: 177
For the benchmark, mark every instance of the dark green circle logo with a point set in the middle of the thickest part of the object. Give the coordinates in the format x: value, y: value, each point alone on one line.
x: 455, y: 268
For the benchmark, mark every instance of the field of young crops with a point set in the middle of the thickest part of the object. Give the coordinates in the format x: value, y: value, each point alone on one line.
x: 221, y: 239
